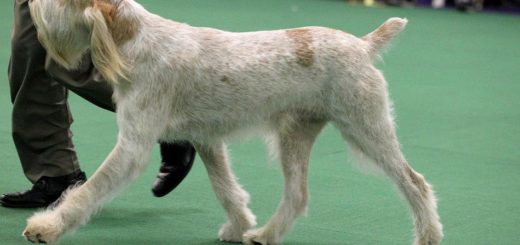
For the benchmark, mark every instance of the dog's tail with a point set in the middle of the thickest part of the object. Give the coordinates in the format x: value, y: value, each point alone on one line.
x: 381, y: 37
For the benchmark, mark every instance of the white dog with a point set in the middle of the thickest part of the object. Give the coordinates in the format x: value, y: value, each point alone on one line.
x: 173, y: 81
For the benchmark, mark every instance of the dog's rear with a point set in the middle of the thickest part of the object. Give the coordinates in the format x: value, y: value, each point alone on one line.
x: 359, y: 106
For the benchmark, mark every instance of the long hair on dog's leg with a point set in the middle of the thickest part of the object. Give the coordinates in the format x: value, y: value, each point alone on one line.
x: 126, y: 161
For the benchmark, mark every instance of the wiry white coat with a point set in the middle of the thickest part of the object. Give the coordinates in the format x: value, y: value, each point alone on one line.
x: 177, y: 82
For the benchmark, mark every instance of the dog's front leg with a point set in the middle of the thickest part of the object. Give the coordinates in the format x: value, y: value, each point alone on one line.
x: 231, y: 195
x: 126, y: 161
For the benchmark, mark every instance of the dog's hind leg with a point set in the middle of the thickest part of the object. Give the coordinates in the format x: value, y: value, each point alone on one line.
x: 295, y: 143
x: 126, y: 161
x: 374, y: 145
x: 368, y: 127
x: 231, y: 195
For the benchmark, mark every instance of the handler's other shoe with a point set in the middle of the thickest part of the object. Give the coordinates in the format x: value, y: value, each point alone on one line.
x: 177, y: 160
x: 44, y: 192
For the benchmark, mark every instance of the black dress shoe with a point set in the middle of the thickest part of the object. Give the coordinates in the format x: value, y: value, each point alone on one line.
x: 44, y: 192
x: 177, y: 160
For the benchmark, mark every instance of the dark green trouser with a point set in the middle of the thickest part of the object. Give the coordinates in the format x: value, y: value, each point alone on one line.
x: 41, y: 116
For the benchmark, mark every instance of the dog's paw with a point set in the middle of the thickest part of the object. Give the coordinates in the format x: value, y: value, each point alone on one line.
x: 230, y: 232
x: 43, y: 228
x: 259, y: 237
x: 430, y: 235
x: 433, y: 238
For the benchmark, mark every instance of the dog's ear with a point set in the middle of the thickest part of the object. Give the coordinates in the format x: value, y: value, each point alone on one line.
x: 104, y: 51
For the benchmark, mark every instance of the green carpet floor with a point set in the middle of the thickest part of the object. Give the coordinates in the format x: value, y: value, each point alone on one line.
x: 455, y: 81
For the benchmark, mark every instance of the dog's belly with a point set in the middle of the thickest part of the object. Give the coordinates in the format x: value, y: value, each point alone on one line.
x: 210, y: 131
x: 205, y: 123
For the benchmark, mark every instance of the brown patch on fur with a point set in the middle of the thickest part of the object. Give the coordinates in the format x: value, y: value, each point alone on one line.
x: 107, y: 9
x: 122, y: 28
x: 303, y: 40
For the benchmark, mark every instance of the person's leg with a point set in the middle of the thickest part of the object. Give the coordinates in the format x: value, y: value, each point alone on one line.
x: 40, y: 120
x: 85, y: 81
